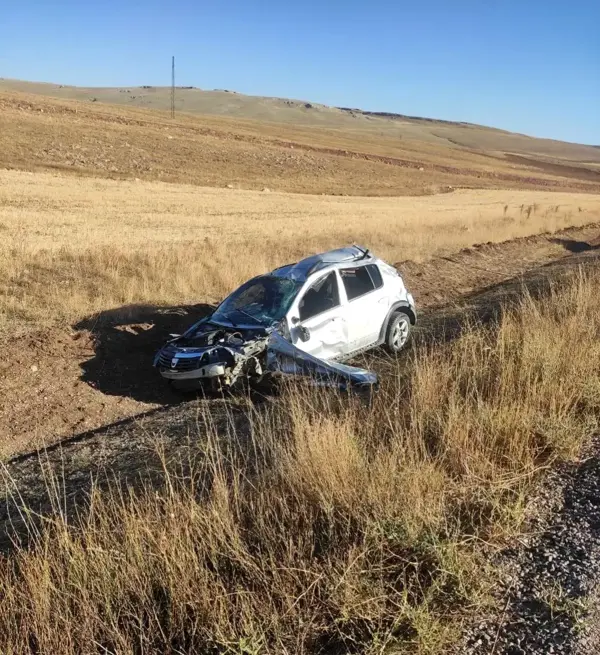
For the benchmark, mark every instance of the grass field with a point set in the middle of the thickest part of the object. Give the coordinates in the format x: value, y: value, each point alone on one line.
x: 93, y: 139
x: 72, y: 246
x: 314, y: 522
x: 329, y: 526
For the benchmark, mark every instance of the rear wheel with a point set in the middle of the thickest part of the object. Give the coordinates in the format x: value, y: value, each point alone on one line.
x: 398, y: 332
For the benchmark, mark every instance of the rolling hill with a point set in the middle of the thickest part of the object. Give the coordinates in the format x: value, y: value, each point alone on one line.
x: 221, y: 138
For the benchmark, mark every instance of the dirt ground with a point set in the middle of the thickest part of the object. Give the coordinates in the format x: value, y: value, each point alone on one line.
x: 104, y: 417
x: 59, y: 383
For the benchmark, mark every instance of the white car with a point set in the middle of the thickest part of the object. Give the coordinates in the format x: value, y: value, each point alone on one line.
x: 302, y: 318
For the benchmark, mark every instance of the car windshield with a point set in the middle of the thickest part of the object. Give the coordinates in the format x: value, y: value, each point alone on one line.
x: 263, y: 300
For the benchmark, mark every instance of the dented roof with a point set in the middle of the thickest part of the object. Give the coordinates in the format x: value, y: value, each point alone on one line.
x: 302, y: 269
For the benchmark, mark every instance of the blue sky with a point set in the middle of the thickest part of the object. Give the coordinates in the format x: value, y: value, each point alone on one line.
x: 531, y: 66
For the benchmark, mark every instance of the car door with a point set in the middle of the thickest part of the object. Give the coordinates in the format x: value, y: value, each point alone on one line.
x: 368, y: 304
x: 318, y: 323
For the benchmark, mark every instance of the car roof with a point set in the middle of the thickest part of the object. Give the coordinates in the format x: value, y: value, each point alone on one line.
x: 331, y: 259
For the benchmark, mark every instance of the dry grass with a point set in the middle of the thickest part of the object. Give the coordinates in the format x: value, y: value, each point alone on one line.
x: 328, y: 525
x: 90, y: 139
x: 285, y: 117
x: 332, y: 526
x: 71, y: 247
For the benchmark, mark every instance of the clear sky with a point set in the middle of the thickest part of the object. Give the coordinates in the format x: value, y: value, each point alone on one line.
x: 531, y: 66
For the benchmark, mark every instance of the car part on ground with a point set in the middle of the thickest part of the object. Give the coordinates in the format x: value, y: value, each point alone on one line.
x: 302, y: 319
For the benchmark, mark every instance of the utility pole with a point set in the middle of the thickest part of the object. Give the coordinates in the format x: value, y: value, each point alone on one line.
x: 173, y: 87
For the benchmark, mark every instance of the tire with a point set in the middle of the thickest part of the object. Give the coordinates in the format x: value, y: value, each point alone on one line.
x: 398, y: 332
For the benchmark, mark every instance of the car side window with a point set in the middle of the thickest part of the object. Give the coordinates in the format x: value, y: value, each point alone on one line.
x: 357, y: 281
x: 375, y: 275
x: 321, y: 296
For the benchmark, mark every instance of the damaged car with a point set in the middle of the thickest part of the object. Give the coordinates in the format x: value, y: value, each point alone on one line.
x: 302, y: 319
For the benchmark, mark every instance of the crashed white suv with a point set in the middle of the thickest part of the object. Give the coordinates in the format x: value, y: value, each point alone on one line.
x: 300, y: 319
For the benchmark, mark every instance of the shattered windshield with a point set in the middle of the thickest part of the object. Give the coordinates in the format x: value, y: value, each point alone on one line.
x: 263, y: 300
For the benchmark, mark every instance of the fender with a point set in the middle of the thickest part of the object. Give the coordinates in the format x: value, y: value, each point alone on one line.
x: 405, y: 306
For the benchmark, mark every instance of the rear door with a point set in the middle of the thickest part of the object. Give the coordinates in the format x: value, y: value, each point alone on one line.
x: 368, y: 303
x: 319, y: 309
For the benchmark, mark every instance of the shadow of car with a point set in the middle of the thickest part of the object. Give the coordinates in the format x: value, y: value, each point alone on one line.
x: 125, y: 341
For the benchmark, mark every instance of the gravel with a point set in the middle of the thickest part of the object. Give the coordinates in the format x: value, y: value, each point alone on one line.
x: 552, y: 582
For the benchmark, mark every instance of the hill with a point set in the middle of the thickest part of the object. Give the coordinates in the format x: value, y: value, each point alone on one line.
x: 229, y: 139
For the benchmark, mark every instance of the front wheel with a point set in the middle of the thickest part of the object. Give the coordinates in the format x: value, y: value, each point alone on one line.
x: 398, y: 332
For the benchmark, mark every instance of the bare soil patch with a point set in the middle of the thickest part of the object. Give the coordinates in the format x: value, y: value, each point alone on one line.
x: 556, y: 168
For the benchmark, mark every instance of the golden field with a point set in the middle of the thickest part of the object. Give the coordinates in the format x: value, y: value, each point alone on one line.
x: 73, y: 246
x: 320, y: 524
x: 312, y: 522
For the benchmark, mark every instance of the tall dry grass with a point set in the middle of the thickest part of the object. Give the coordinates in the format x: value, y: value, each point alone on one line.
x: 71, y: 247
x: 331, y: 525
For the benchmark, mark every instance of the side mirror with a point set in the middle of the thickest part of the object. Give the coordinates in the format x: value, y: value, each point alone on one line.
x: 295, y: 320
x: 303, y: 334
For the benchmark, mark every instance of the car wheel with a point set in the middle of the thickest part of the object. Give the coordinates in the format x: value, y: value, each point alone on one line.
x: 398, y: 332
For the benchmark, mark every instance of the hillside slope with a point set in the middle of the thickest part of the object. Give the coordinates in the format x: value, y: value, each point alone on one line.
x: 301, y: 112
x: 95, y: 139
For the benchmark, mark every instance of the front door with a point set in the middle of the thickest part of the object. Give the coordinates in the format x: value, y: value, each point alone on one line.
x: 322, y: 329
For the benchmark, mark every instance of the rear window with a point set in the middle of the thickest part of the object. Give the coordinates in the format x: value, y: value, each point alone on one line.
x: 357, y: 281
x: 361, y: 280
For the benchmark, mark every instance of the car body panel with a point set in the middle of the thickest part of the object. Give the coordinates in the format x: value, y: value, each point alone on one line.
x: 284, y: 357
x: 328, y: 334
x: 327, y: 330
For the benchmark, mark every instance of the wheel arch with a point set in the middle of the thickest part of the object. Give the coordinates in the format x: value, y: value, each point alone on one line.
x: 402, y: 306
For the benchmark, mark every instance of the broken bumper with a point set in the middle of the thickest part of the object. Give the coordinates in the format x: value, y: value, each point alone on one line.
x: 210, y: 371
x: 271, y: 354
x: 284, y: 357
